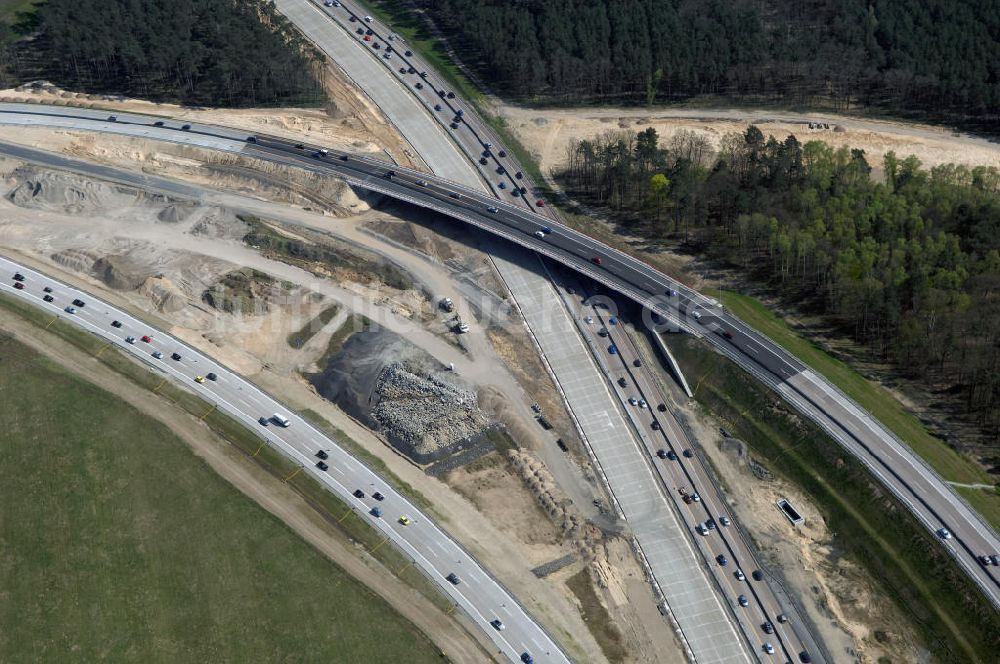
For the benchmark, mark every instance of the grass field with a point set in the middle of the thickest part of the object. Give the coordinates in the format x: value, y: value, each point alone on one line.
x: 869, y: 527
x: 874, y: 398
x: 119, y: 544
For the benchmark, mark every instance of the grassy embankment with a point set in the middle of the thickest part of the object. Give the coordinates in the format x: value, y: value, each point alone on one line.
x: 869, y: 526
x: 9, y: 9
x: 301, y: 337
x: 341, y: 519
x: 877, y: 400
x: 119, y: 543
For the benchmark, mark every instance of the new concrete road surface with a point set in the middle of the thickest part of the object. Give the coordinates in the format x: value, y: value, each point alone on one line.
x: 931, y: 500
x: 433, y: 551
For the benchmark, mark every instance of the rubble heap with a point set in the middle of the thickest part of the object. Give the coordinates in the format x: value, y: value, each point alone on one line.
x: 425, y: 416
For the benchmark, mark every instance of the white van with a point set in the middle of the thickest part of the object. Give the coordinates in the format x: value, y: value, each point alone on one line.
x: 280, y: 420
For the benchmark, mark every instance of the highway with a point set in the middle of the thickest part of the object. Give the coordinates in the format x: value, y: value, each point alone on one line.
x: 477, y: 593
x: 931, y: 500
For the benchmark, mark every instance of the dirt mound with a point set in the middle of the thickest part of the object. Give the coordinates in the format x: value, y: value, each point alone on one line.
x: 62, y: 192
x: 174, y: 214
x: 164, y: 294
x: 119, y: 273
x: 220, y: 224
x: 75, y: 259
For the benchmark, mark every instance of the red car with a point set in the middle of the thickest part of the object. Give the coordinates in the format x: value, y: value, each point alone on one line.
x: 18, y: 285
x: 368, y: 37
x: 540, y: 203
x: 147, y: 338
x: 596, y: 260
x: 727, y: 334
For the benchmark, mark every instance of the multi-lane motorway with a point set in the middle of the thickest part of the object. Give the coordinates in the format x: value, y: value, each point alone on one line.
x: 916, y: 485
x: 478, y: 594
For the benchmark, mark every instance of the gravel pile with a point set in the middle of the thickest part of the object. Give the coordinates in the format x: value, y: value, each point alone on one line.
x: 424, y: 415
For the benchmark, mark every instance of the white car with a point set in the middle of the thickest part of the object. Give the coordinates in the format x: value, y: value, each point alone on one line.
x: 368, y: 19
x: 944, y: 534
x: 768, y: 648
x: 539, y: 234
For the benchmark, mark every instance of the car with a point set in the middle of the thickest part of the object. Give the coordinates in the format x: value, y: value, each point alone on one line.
x: 670, y: 292
x: 359, y: 31
x: 18, y: 276
x: 603, y: 332
x: 367, y: 38
x: 47, y: 289
x: 782, y: 618
x: 376, y: 512
x: 199, y: 379
x: 423, y: 74
x: 376, y: 45
x: 688, y: 453
x: 519, y: 175
x: 437, y: 107
x: 47, y: 298
x: 622, y: 381
x: 263, y: 421
x: 662, y: 408
x: 501, y: 170
x: 633, y: 401
x: 112, y: 118
x: 454, y: 125
x: 18, y: 285
x: 944, y: 533
x: 502, y: 154
x: 405, y: 520
x: 702, y: 530
x: 613, y: 349
x: 402, y: 70
x: 147, y: 339
x: 453, y: 578
x: 643, y: 404
x: 768, y: 628
x: 995, y: 559
x: 390, y: 174
x: 70, y: 310
x: 742, y: 600
x: 175, y: 357
x: 488, y: 145
x: 695, y: 497
x: 353, y: 19
x: 636, y: 362
x: 740, y: 576
x: 419, y: 86
x: 251, y: 139
x: 768, y: 648
x: 546, y: 230
x: 710, y: 524
x: 78, y: 303
x: 422, y: 183
x: 451, y: 95
x: 756, y: 574
x: 157, y: 354
x: 727, y: 334
x: 526, y: 658
x: 378, y: 496
x: 492, y: 210
x: 497, y: 625
x: 502, y: 185
x: 441, y: 94
x: 661, y: 453
x: 672, y: 455
x: 562, y: 444
x: 455, y: 195
x: 322, y: 466
x: 804, y: 657
x: 358, y: 493
x: 722, y: 560
x: 724, y: 520
x: 186, y: 127
x: 411, y: 70
x: 321, y: 454
x: 541, y: 203
x: 539, y: 234
x: 368, y: 19
x: 483, y: 161
x: 596, y: 260
x: 409, y: 54
x: 130, y: 340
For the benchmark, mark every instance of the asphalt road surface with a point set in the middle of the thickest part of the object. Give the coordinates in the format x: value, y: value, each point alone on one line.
x: 930, y: 499
x: 433, y: 551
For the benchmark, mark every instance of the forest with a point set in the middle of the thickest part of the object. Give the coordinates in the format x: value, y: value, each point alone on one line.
x: 234, y: 53
x: 909, y: 266
x: 941, y: 57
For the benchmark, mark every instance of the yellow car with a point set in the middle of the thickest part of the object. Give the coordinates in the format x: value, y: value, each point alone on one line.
x: 199, y: 379
x: 405, y: 520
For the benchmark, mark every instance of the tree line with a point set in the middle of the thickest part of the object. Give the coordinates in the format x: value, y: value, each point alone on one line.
x: 908, y: 266
x: 939, y: 57
x: 199, y: 52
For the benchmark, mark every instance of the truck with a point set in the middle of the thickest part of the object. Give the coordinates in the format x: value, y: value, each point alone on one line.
x: 281, y: 420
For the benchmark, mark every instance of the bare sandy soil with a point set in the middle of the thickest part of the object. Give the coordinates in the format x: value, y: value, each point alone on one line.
x: 547, y: 133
